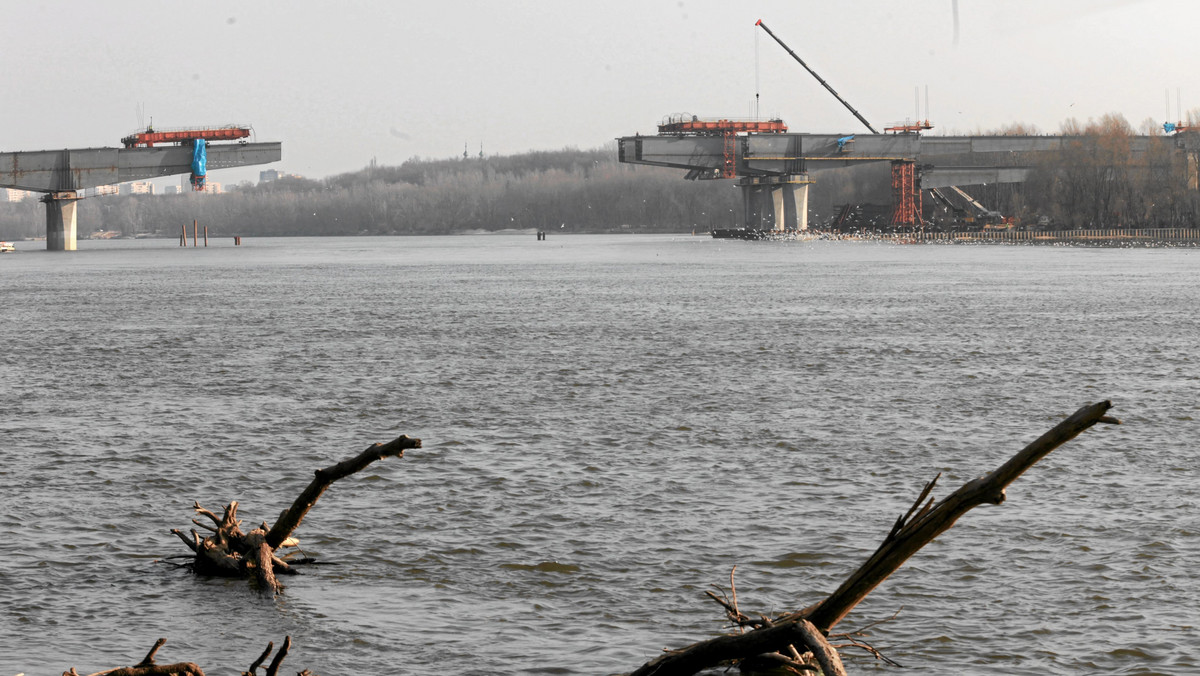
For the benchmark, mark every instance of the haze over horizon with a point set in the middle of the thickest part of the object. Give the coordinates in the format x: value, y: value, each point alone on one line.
x: 341, y: 84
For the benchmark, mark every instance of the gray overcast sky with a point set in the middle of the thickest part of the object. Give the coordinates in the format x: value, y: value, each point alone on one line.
x: 341, y: 82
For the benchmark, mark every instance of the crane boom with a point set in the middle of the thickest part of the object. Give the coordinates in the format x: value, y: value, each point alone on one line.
x: 819, y: 79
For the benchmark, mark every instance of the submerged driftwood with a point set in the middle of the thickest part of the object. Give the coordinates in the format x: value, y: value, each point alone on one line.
x: 796, y: 640
x: 229, y: 552
x: 147, y: 667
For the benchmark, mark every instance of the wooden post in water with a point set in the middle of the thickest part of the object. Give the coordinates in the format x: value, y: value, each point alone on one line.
x: 206, y: 236
x: 183, y: 235
x: 194, y: 233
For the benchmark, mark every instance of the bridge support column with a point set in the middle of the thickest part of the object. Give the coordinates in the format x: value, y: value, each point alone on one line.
x: 778, y: 219
x: 797, y: 207
x: 755, y: 202
x: 60, y: 220
x: 776, y: 203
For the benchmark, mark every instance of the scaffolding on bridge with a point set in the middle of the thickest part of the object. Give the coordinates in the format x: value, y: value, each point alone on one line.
x: 906, y: 193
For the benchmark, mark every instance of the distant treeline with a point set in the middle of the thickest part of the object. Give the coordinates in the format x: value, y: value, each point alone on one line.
x: 1097, y: 182
x: 565, y: 190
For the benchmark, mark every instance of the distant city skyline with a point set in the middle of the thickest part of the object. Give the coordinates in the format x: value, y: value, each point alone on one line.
x: 341, y: 84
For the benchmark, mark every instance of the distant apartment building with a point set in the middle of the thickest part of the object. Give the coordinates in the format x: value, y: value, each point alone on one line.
x: 137, y: 188
x: 172, y: 190
x: 107, y: 190
x: 210, y: 187
x: 274, y: 175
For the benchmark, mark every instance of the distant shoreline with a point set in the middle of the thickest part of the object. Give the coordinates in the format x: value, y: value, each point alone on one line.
x: 1140, y: 237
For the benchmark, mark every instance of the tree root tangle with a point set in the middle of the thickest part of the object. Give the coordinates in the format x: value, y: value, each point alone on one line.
x: 229, y: 552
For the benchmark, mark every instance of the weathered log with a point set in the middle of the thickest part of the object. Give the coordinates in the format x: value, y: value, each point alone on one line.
x: 263, y: 559
x: 230, y: 552
x: 923, y: 522
x: 827, y: 656
x: 147, y: 667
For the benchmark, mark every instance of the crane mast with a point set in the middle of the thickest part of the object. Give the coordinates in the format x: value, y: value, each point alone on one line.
x: 819, y: 78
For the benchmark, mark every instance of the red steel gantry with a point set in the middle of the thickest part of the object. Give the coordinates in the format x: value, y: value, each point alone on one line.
x: 728, y: 129
x: 149, y: 136
x: 907, y: 127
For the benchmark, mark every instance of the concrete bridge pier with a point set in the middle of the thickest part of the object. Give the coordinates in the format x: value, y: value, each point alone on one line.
x: 778, y: 208
x: 754, y: 205
x: 778, y: 203
x: 60, y: 220
x: 796, y: 203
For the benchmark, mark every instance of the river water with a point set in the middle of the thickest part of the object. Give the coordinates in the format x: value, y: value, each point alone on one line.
x: 610, y: 424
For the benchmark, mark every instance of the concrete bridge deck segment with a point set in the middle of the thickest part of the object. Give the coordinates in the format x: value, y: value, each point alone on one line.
x: 759, y: 159
x: 944, y: 177
x: 60, y: 174
x: 782, y: 154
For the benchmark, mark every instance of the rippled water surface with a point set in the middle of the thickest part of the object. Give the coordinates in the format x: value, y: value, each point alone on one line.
x: 610, y: 424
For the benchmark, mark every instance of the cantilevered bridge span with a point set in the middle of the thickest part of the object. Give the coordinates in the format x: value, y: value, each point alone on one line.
x: 62, y: 174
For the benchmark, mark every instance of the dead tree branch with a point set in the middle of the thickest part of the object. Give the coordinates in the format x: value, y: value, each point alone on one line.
x: 855, y: 642
x: 278, y: 661
x: 291, y: 518
x: 261, y: 658
x: 147, y: 667
x: 923, y: 522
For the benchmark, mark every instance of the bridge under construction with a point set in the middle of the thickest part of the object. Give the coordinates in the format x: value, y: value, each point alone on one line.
x: 63, y: 174
x: 775, y: 168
